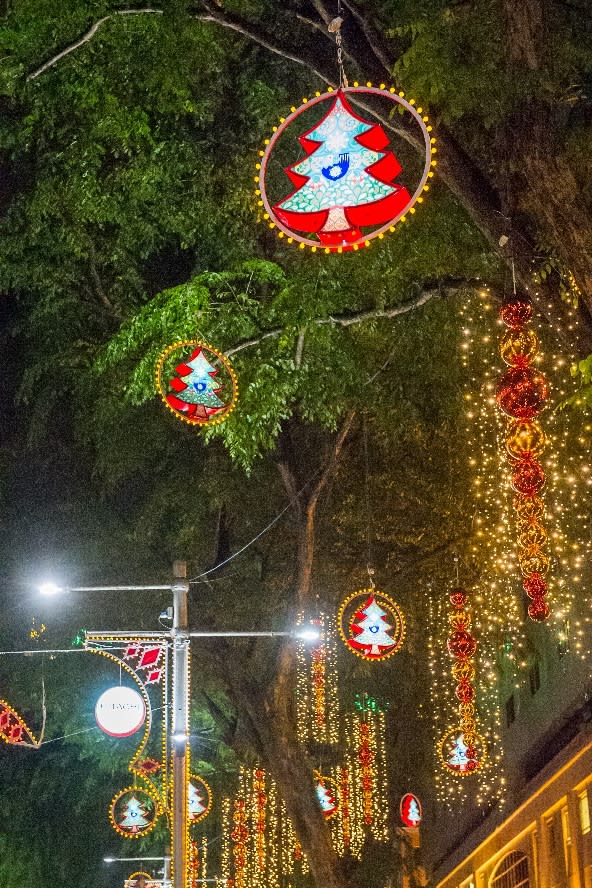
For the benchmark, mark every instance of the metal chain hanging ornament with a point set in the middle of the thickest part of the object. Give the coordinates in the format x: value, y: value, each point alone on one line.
x: 196, y: 382
x: 345, y: 193
x: 462, y: 749
x: 521, y: 395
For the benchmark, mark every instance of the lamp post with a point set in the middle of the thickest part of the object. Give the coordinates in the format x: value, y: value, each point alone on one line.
x: 179, y: 636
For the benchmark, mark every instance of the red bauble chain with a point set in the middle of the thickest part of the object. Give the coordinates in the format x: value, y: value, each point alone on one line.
x: 521, y: 395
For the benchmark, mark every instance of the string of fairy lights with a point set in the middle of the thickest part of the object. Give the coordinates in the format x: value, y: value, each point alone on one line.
x: 499, y: 601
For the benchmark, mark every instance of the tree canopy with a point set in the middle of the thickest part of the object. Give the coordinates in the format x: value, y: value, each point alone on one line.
x: 128, y: 141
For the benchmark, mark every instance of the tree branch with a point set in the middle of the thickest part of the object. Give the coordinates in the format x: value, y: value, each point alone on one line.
x: 370, y: 315
x: 87, y: 37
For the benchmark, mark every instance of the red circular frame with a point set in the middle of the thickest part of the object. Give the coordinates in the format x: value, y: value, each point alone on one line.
x: 393, y: 96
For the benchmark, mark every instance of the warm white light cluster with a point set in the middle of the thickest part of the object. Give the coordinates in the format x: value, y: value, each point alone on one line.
x: 317, y: 702
x: 499, y: 601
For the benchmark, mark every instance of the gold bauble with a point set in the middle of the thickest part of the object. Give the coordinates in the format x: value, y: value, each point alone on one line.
x: 525, y: 436
x: 529, y: 507
x: 463, y: 669
x: 519, y: 346
x: 533, y: 535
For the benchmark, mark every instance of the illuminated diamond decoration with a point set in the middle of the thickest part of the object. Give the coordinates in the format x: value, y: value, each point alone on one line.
x: 153, y: 677
x: 132, y: 651
x: 150, y: 657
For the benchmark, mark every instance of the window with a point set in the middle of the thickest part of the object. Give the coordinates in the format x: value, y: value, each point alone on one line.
x: 566, y: 839
x: 534, y: 677
x: 511, y: 872
x: 584, y: 812
x: 510, y: 710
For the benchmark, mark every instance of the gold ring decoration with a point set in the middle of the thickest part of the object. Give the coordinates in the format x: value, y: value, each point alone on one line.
x: 462, y: 752
x: 196, y: 382
x: 134, y: 812
x: 371, y: 624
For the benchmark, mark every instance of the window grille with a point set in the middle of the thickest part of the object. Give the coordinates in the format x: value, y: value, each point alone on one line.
x: 512, y: 872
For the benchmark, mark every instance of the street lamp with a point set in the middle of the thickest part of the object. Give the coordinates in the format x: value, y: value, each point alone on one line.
x: 180, y: 636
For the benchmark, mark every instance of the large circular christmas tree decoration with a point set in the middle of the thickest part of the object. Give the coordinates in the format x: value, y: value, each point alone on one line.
x: 120, y: 711
x: 134, y: 812
x: 327, y: 794
x: 196, y: 382
x: 461, y: 752
x: 410, y: 810
x: 521, y: 395
x: 371, y: 624
x: 199, y: 799
x: 349, y: 186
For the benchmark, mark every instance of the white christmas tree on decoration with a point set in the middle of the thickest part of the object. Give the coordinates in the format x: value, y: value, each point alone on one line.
x: 195, y: 802
x: 413, y: 815
x: 373, y: 629
x: 326, y: 799
x: 458, y: 757
x: 134, y: 815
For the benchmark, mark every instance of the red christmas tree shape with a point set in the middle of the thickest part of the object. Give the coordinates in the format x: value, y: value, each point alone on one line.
x: 371, y: 630
x: 196, y: 389
x: 345, y: 181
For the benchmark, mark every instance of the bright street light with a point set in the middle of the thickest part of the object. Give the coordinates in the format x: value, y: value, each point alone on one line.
x: 51, y: 589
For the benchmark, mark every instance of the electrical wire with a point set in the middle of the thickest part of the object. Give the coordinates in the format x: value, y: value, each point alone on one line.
x: 261, y: 533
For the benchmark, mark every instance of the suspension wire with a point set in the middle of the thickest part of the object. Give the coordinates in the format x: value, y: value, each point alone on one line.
x: 369, y: 565
x: 335, y: 28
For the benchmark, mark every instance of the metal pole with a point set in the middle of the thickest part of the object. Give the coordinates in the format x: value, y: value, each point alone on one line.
x: 180, y: 723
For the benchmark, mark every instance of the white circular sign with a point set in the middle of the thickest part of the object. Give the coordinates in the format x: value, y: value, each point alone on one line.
x: 120, y: 711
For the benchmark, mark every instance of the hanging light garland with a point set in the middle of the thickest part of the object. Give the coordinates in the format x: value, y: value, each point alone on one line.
x: 521, y: 395
x: 462, y: 750
x: 317, y: 701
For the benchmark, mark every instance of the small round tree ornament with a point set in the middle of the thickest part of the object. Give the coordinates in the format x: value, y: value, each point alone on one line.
x: 345, y: 189
x: 134, y: 811
x: 371, y: 624
x: 196, y: 382
x: 462, y: 753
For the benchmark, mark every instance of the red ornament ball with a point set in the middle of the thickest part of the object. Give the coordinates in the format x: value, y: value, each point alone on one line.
x: 465, y: 692
x: 458, y: 598
x: 538, y: 610
x: 522, y: 392
x: 528, y: 476
x: 461, y: 644
x: 516, y: 312
x: 535, y: 586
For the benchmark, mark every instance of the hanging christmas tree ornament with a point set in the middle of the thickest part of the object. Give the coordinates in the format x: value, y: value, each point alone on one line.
x: 349, y: 186
x: 461, y: 646
x: 410, y: 810
x: 199, y: 799
x: 462, y: 752
x: 134, y: 812
x: 327, y: 794
x: 371, y: 624
x: 521, y: 395
x: 13, y: 729
x: 196, y: 382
